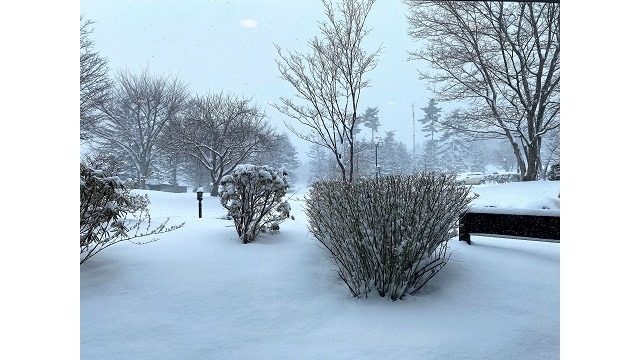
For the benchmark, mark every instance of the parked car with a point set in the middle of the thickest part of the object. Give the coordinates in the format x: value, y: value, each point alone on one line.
x: 502, y: 177
x: 470, y: 178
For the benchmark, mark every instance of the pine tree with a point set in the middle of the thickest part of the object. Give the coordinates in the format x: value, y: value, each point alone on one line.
x: 431, y: 117
x: 370, y: 119
x: 393, y: 156
x: 478, y: 156
x: 455, y: 148
x: 430, y: 156
x: 319, y: 163
x: 280, y: 153
x: 430, y: 128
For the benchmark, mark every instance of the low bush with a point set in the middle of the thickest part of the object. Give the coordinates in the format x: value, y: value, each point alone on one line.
x: 253, y: 196
x: 388, y: 234
x: 109, y: 213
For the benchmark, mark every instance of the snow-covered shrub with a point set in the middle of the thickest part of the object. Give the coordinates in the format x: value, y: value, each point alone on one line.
x: 110, y: 214
x: 388, y: 234
x: 253, y: 196
x: 503, y: 178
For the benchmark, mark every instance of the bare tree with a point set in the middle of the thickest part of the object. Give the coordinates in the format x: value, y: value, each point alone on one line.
x: 503, y: 59
x: 94, y: 80
x: 552, y: 150
x: 329, y: 81
x: 221, y: 131
x: 135, y: 117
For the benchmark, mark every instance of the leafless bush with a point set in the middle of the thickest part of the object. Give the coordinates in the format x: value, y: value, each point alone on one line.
x: 388, y: 234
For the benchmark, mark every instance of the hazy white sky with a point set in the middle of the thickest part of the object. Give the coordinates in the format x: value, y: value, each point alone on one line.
x: 225, y: 45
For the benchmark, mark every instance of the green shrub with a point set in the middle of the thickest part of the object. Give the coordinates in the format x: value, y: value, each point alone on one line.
x: 253, y: 196
x: 109, y: 213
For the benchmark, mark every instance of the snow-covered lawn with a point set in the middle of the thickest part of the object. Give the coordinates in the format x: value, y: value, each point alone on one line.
x: 199, y: 293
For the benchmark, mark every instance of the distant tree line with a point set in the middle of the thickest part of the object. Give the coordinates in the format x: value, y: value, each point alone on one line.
x: 500, y: 60
x: 159, y: 132
x: 441, y: 149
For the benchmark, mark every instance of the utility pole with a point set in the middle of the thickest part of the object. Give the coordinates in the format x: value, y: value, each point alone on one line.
x: 377, y: 144
x: 377, y: 172
x: 413, y: 115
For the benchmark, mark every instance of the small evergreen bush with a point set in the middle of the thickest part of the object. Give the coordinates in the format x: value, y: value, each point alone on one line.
x: 109, y: 213
x: 253, y: 196
x: 388, y: 234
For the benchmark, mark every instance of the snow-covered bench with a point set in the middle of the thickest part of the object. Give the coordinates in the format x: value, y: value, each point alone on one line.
x: 532, y: 224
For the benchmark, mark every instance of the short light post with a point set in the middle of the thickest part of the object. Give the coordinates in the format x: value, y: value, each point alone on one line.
x: 199, y: 192
x: 377, y: 168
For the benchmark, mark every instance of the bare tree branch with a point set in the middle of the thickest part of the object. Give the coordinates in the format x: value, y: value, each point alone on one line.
x: 94, y: 81
x: 329, y: 80
x: 138, y: 111
x: 221, y: 131
x: 503, y: 60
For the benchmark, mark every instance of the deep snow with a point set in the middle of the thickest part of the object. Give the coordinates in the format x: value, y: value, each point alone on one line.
x: 199, y: 293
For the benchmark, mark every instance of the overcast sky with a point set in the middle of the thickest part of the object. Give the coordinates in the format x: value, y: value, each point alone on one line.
x: 225, y: 45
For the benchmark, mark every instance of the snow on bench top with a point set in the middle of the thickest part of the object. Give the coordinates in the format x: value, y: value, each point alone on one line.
x: 534, y: 198
x: 514, y: 211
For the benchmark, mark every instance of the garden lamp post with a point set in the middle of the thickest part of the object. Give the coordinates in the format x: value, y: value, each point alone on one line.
x: 379, y: 143
x: 199, y: 192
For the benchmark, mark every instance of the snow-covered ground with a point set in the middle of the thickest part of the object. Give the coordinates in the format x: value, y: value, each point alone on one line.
x: 199, y: 293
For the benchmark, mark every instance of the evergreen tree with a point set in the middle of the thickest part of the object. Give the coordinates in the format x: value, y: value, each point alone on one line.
x: 364, y: 158
x: 478, y: 156
x: 503, y: 156
x: 431, y: 117
x: 455, y: 148
x: 319, y: 163
x: 370, y: 119
x: 393, y: 156
x: 357, y: 127
x: 280, y: 153
x: 430, y: 156
x: 430, y: 128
